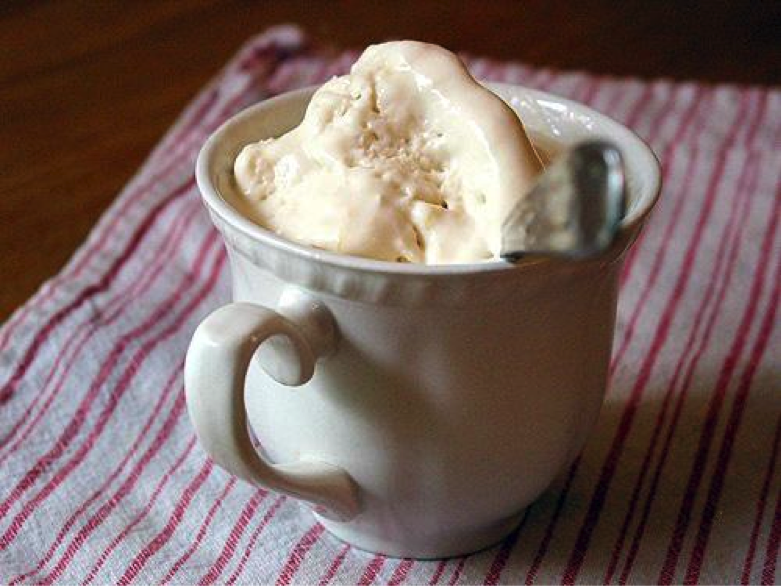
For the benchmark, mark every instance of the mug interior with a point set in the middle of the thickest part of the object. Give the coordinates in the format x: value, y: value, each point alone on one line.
x: 552, y: 122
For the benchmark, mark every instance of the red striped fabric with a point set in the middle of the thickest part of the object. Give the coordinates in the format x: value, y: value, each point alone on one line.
x: 102, y: 480
x: 769, y: 572
x: 749, y: 561
x: 673, y: 386
x: 230, y: 545
x: 297, y: 555
x: 182, y: 560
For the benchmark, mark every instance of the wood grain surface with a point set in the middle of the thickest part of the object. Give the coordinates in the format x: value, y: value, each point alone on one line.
x: 88, y: 87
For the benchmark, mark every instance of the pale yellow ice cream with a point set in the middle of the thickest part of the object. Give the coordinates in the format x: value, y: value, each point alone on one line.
x: 405, y: 159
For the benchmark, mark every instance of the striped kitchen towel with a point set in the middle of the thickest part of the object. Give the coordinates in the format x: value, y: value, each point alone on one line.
x: 101, y: 479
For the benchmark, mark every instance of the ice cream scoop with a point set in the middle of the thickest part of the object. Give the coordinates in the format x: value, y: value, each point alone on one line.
x: 407, y: 158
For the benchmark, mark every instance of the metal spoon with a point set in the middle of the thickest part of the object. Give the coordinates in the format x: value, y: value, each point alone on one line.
x: 575, y: 208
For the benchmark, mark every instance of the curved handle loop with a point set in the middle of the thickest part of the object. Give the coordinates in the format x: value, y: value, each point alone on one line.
x: 215, y: 370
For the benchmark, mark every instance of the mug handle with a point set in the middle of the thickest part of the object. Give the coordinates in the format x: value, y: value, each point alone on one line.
x: 215, y: 371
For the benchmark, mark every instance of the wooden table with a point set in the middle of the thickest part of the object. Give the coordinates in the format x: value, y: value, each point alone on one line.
x: 87, y: 88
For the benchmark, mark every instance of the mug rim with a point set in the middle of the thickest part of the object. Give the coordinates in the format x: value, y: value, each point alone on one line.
x: 230, y: 216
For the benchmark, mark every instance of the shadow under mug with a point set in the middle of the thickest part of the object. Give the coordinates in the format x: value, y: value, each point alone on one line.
x: 432, y: 403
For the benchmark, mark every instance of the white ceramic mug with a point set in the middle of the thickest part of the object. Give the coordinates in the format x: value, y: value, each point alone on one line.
x: 432, y: 403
